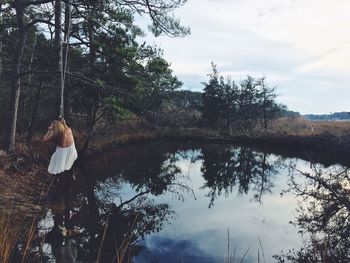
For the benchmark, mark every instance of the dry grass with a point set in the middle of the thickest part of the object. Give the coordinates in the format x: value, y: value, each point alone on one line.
x: 124, y: 133
x: 302, y: 127
x: 117, y: 136
x: 15, y: 230
x: 8, y: 237
x: 122, y: 139
x: 22, y: 185
x: 132, y: 131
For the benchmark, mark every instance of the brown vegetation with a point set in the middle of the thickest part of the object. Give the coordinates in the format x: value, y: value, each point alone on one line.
x: 302, y: 127
x: 23, y: 183
x: 288, y: 134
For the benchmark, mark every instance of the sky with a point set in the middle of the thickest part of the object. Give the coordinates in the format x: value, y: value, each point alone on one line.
x: 301, y: 46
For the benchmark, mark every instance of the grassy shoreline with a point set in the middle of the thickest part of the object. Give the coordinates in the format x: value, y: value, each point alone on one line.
x: 327, y: 142
x: 326, y: 148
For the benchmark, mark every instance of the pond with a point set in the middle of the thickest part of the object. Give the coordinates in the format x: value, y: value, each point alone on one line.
x: 167, y: 202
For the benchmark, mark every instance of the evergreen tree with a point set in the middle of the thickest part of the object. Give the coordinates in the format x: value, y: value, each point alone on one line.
x: 245, y: 105
x: 230, y: 107
x: 212, y: 98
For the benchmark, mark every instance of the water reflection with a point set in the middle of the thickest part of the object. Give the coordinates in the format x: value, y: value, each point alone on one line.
x: 323, y: 215
x: 88, y: 228
x: 150, y: 203
x: 152, y: 168
x: 225, y: 168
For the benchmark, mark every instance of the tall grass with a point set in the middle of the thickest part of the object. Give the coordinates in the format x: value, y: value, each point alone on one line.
x: 15, y: 239
x: 8, y: 238
x: 121, y: 250
x: 302, y: 127
x: 22, y: 184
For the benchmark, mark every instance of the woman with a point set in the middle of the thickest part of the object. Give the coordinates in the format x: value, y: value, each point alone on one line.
x: 65, y: 154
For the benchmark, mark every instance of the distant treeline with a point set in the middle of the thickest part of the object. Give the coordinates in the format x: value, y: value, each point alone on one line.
x: 214, y: 107
x: 336, y: 116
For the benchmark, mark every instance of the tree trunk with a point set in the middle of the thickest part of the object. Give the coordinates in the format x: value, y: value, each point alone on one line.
x: 229, y: 122
x: 32, y: 59
x: 57, y: 50
x: 265, y: 119
x: 91, y: 121
x: 30, y: 78
x: 34, y: 112
x: 92, y: 49
x: 15, y: 78
x: 65, y: 50
x: 66, y: 26
x: 58, y: 33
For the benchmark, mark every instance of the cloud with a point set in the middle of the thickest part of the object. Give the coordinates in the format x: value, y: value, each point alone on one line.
x: 300, y: 45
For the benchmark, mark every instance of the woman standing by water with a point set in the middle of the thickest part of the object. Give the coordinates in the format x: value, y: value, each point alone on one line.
x: 65, y: 154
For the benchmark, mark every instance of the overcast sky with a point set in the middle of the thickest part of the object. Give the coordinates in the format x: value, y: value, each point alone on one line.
x: 302, y: 46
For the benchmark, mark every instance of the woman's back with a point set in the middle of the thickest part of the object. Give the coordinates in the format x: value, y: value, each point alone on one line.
x: 67, y: 138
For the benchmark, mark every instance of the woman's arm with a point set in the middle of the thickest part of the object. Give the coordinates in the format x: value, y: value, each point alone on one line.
x: 49, y: 135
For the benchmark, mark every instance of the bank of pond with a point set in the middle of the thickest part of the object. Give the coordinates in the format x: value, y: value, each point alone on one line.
x: 184, y: 202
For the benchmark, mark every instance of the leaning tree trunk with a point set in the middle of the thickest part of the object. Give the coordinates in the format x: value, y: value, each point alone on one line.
x: 15, y: 78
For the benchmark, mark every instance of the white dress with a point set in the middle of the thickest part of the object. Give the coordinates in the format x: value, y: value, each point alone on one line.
x: 62, y: 159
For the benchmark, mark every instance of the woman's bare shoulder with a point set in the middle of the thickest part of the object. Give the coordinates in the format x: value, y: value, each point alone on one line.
x: 68, y: 133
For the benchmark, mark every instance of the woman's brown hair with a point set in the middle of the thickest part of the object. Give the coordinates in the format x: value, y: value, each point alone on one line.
x: 58, y: 131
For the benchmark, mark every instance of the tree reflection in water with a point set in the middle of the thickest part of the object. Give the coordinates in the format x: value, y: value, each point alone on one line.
x: 112, y: 205
x: 323, y: 215
x: 225, y: 168
x: 97, y: 223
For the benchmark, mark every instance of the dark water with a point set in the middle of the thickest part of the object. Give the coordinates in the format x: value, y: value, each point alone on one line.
x: 163, y: 202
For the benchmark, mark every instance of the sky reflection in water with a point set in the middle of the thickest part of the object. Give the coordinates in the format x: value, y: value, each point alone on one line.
x: 199, y: 233
x: 165, y: 202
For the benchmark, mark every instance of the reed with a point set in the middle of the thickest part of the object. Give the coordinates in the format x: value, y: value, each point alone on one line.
x: 8, y: 238
x: 30, y: 238
x: 231, y: 258
x: 121, y: 251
